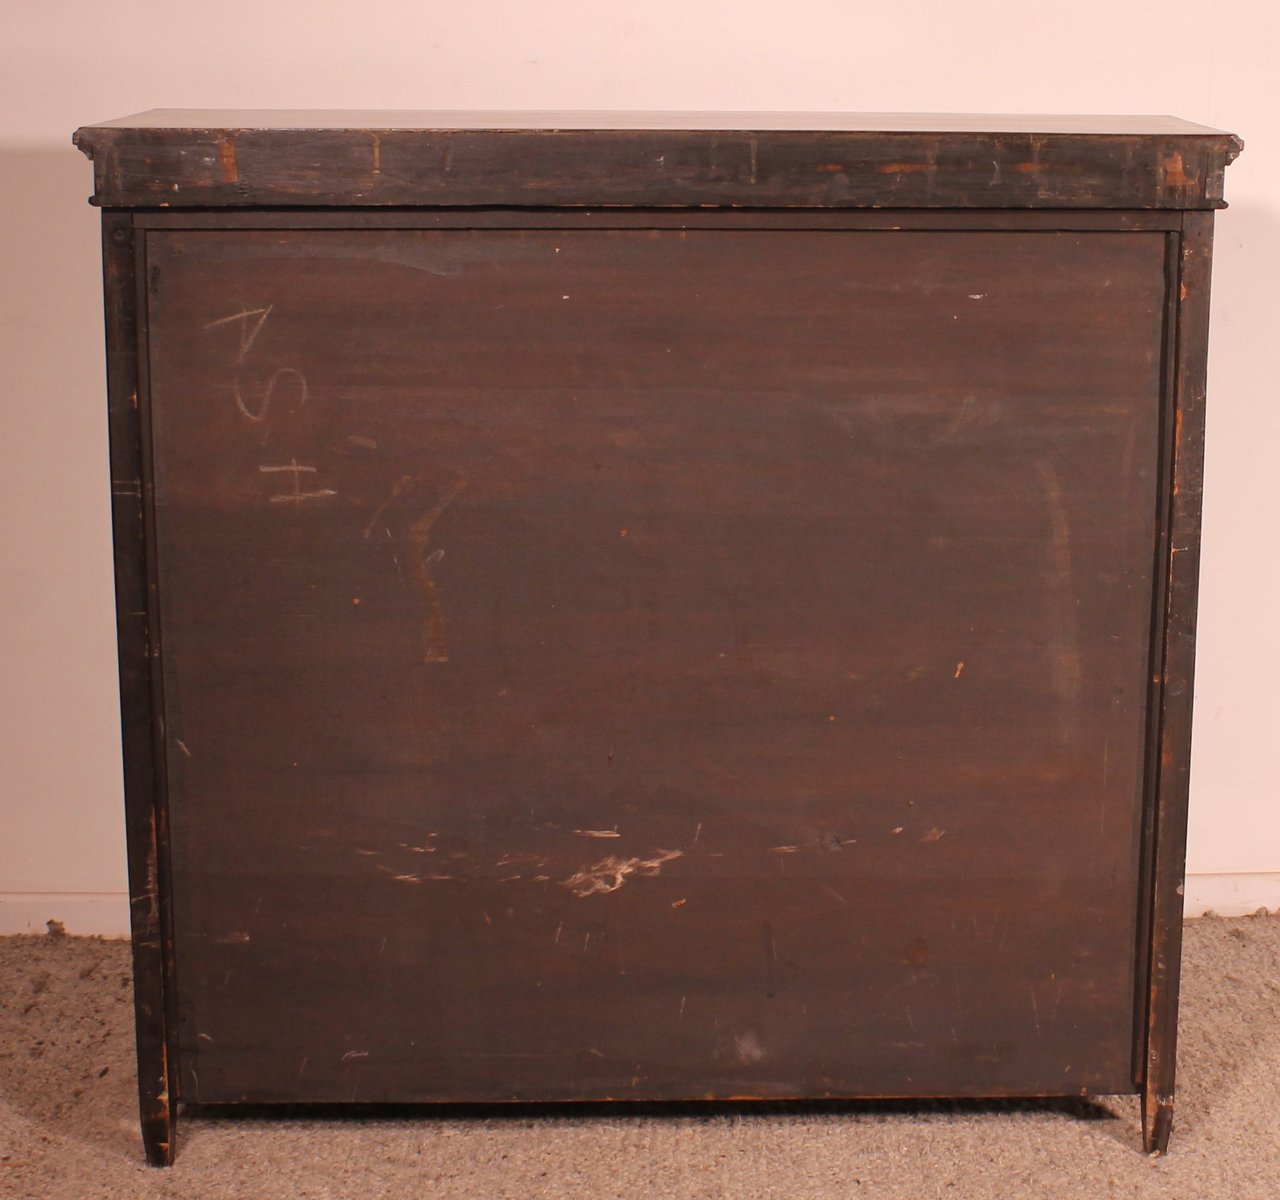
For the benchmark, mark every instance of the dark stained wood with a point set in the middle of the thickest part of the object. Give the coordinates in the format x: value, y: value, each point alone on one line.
x: 822, y: 607
x: 654, y: 218
x: 605, y: 646
x: 188, y: 158
x: 1180, y: 591
x: 140, y: 697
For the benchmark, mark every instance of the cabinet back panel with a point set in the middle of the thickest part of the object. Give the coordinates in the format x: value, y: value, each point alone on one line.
x: 654, y: 664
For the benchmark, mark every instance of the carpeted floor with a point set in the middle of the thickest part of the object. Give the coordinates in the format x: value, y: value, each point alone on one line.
x: 67, y: 1127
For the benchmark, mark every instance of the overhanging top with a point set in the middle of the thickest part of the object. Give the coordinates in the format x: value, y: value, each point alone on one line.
x: 216, y: 158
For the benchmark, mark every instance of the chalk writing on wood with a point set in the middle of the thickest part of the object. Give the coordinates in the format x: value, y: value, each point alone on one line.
x: 297, y: 496
x: 259, y: 413
x: 251, y: 322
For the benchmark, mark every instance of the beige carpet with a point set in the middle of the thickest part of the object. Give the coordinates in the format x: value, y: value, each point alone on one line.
x: 67, y: 1125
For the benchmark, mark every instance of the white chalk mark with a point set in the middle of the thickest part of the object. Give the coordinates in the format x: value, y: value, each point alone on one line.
x: 182, y: 746
x: 597, y: 833
x: 297, y: 496
x: 249, y: 328
x: 259, y: 414
x: 350, y: 1054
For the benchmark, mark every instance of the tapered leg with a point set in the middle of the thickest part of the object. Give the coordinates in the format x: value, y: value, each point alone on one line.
x: 1157, y: 1124
x: 1174, y: 678
x: 141, y: 703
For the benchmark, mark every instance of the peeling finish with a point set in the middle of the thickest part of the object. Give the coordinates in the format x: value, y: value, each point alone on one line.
x: 1175, y: 172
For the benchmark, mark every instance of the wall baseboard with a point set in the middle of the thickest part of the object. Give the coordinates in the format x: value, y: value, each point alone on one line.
x: 85, y: 914
x: 1232, y: 894
x: 106, y: 914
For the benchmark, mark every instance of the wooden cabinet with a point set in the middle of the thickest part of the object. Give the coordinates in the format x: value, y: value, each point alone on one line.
x: 655, y: 607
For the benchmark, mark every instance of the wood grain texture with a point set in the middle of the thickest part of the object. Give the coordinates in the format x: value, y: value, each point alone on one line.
x: 749, y: 660
x: 226, y: 160
x: 146, y: 812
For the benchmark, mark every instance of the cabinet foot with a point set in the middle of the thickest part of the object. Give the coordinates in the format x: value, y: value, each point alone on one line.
x: 1157, y: 1125
x: 159, y: 1126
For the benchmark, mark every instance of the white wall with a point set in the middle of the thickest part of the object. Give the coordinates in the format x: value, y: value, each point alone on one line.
x: 63, y: 64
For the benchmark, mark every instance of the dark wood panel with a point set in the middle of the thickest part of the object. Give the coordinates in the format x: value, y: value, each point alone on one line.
x: 218, y: 163
x: 1058, y: 221
x: 1179, y: 592
x: 655, y: 664
x: 142, y: 737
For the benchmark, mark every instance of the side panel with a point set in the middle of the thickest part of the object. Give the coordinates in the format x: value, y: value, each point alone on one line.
x: 146, y: 812
x: 1177, y: 675
x: 655, y: 664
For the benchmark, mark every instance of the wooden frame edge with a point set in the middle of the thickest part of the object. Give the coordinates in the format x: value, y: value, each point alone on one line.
x: 1181, y: 566
x: 141, y: 713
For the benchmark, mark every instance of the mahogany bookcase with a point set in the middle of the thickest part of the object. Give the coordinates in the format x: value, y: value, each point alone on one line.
x: 655, y: 606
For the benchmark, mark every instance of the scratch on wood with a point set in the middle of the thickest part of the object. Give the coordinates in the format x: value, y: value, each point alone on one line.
x: 398, y: 487
x: 1065, y: 669
x: 436, y: 650
x: 609, y: 874
x: 770, y: 961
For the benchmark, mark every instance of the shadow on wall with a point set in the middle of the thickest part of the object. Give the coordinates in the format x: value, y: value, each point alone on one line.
x: 60, y: 806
